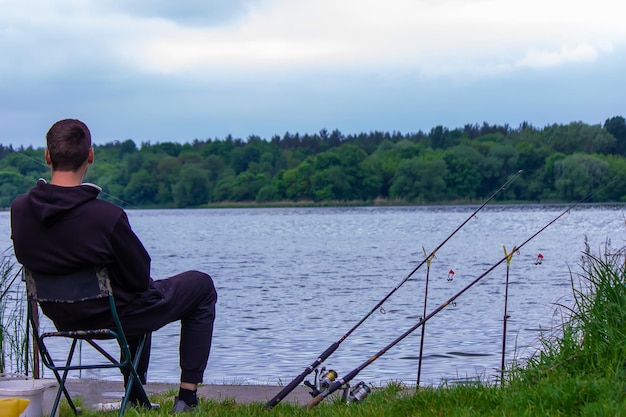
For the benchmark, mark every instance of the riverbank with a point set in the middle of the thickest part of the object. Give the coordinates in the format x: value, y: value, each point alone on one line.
x: 374, y: 203
x: 92, y: 392
x: 580, y: 373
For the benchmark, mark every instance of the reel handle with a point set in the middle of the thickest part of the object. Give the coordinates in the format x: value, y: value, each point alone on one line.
x: 315, y: 401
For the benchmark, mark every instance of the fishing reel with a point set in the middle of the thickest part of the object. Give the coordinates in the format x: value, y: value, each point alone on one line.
x: 356, y: 393
x: 322, y: 381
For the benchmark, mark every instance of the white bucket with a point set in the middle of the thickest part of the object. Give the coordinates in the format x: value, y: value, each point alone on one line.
x: 40, y: 393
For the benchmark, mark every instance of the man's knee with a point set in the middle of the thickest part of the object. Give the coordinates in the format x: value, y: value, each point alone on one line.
x: 203, y: 284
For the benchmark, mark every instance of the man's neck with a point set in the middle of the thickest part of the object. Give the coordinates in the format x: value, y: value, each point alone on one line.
x: 66, y: 178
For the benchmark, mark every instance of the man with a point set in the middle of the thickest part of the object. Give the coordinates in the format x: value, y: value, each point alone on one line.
x: 61, y: 226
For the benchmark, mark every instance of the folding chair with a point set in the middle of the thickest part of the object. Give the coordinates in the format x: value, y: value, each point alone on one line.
x: 83, y: 285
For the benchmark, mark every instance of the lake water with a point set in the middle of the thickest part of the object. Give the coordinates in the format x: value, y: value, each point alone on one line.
x: 292, y: 281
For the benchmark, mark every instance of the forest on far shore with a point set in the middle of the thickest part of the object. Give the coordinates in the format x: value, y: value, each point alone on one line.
x: 561, y: 163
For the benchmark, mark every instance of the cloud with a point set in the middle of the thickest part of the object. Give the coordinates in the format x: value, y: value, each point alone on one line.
x: 547, y: 58
x: 152, y: 69
x: 279, y: 37
x: 430, y: 38
x: 184, y: 13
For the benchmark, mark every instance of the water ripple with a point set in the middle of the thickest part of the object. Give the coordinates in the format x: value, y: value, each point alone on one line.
x: 292, y: 281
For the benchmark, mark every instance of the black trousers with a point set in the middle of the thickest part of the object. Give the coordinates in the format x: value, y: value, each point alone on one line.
x: 189, y: 297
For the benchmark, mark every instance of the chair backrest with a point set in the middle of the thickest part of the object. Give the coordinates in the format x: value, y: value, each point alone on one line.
x: 82, y: 285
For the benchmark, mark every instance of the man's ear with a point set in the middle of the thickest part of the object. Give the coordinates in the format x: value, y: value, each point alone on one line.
x: 46, y: 155
x: 90, y: 156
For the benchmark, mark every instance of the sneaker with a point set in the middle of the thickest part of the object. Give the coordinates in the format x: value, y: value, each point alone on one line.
x: 181, y: 407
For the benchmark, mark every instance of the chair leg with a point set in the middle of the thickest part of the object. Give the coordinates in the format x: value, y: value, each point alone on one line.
x: 60, y: 379
x: 47, y: 359
x: 133, y: 379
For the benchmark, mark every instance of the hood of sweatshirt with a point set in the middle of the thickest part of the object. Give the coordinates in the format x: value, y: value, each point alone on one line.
x: 48, y: 200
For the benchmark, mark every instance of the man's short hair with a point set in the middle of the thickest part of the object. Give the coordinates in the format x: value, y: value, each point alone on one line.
x: 68, y: 141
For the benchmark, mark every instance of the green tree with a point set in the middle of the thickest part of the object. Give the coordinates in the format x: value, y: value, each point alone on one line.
x: 297, y: 182
x: 616, y: 191
x: 371, y: 181
x: 246, y: 186
x: 501, y: 161
x: 616, y: 126
x: 114, y: 152
x: 142, y: 189
x: 12, y: 184
x: 530, y: 157
x: 215, y: 166
x: 270, y: 163
x: 578, y: 175
x: 242, y: 157
x: 385, y: 161
x: 168, y: 148
x: 221, y: 148
x: 579, y: 137
x: 420, y: 180
x: 192, y: 188
x: 342, y: 173
x: 329, y: 165
x: 167, y: 173
x: 464, y: 176
x: 437, y: 137
x: 408, y: 149
x: 352, y: 164
x: 330, y: 184
x: 223, y: 188
x: 268, y: 193
x: 28, y: 164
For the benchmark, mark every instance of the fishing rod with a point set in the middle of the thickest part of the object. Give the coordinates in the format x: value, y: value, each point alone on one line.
x: 508, y: 257
x: 338, y: 383
x: 419, y: 363
x: 333, y: 347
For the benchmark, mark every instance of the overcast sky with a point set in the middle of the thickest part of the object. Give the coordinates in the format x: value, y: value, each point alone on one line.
x: 165, y: 70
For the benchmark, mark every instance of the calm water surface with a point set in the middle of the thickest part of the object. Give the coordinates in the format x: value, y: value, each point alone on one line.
x: 293, y: 281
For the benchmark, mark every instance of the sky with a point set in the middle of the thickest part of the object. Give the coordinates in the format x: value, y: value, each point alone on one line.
x: 162, y: 70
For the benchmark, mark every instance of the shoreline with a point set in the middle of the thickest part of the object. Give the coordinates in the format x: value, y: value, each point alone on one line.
x: 434, y: 205
x: 92, y: 391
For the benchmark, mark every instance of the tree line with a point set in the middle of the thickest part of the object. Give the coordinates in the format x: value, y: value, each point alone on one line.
x: 561, y: 162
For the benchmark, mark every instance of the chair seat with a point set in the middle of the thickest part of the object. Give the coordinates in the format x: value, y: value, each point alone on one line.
x: 99, y: 334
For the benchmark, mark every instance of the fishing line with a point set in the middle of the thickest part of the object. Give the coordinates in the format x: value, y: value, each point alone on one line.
x: 104, y: 193
x: 333, y: 347
x: 11, y: 283
x: 338, y: 383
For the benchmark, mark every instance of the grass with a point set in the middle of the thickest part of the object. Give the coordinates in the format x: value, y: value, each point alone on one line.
x: 579, y: 372
x: 12, y: 317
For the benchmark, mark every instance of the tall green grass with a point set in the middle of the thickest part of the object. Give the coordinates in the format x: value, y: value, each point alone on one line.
x: 578, y: 372
x: 12, y: 316
x: 593, y: 339
x: 582, y: 371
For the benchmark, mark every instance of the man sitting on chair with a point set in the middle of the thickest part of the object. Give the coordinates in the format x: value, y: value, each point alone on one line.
x: 62, y: 226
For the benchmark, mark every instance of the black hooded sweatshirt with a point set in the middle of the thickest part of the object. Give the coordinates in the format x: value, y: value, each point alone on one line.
x: 57, y: 230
